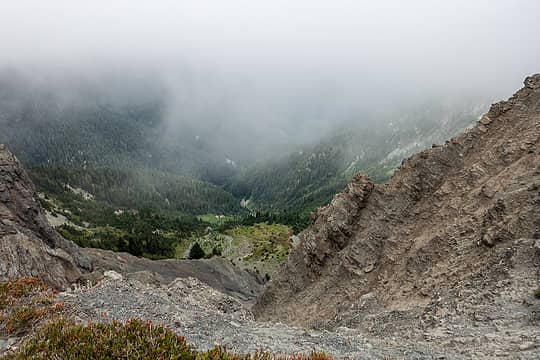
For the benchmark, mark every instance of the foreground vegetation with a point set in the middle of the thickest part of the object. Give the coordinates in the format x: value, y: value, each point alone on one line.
x: 134, y: 339
x: 27, y: 307
x: 23, y: 304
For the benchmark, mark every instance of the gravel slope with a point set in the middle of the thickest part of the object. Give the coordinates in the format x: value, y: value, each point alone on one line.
x: 206, y: 317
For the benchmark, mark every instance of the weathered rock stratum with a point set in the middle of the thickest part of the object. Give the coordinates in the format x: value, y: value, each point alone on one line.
x: 449, y: 244
x: 29, y: 246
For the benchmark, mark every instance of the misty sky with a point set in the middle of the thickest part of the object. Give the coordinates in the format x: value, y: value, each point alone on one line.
x: 282, y: 61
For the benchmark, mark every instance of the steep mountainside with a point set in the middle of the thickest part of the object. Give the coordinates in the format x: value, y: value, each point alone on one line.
x: 138, y: 188
x: 29, y: 246
x: 450, y: 237
x: 81, y: 123
x: 311, y: 176
x: 110, y: 144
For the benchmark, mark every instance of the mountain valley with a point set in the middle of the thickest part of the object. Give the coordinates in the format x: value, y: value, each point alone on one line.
x: 156, y: 192
x: 441, y: 261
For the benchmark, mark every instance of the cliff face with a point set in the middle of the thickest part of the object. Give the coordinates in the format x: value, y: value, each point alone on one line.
x: 28, y: 245
x: 448, y: 216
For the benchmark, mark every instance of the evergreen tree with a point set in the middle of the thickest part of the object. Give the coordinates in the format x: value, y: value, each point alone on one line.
x: 196, y: 252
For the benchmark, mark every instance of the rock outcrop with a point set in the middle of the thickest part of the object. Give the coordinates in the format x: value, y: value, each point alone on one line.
x: 219, y: 273
x: 28, y: 244
x: 456, y: 219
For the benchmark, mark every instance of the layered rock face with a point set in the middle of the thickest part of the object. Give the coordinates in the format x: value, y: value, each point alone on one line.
x: 28, y: 244
x: 453, y: 220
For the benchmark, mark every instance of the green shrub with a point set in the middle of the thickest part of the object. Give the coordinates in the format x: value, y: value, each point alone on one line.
x: 537, y: 293
x: 10, y: 291
x: 196, y: 252
x: 135, y: 339
x: 23, y: 304
x: 217, y: 251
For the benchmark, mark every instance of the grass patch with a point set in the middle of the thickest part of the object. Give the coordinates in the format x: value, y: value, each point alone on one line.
x: 261, y: 247
x: 181, y: 249
x: 268, y: 241
x: 135, y: 339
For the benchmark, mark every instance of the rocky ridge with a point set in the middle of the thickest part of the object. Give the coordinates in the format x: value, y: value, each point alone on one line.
x: 218, y: 273
x: 29, y: 246
x: 446, y: 249
x: 436, y: 222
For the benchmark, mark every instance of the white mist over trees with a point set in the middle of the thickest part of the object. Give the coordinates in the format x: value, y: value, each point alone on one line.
x: 254, y: 80
x: 277, y: 71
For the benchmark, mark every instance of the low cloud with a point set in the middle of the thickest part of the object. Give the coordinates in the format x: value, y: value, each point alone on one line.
x: 275, y: 72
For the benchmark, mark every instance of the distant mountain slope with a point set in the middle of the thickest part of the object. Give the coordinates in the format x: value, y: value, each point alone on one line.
x: 112, y: 148
x: 89, y: 131
x: 104, y: 136
x: 311, y: 176
x: 139, y: 188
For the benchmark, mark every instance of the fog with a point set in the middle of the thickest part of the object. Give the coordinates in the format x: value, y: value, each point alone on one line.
x: 274, y: 73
